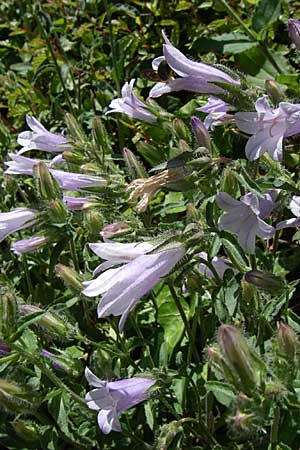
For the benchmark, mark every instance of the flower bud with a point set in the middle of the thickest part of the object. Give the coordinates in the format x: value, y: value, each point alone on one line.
x: 73, y: 157
x: 192, y: 213
x: 294, y: 32
x: 11, y: 397
x: 114, y: 229
x: 70, y: 277
x: 49, y: 321
x: 57, y: 211
x: 149, y: 152
x: 213, y: 355
x: 75, y: 129
x: 48, y: 187
x: 286, y: 339
x: 201, y: 134
x: 100, y: 136
x: 242, y: 422
x: 71, y: 367
x: 135, y: 168
x: 237, y: 355
x: 181, y: 130
x: 25, y: 430
x: 4, y: 349
x: 274, y: 91
x: 94, y: 223
x: 8, y: 314
x: 265, y: 280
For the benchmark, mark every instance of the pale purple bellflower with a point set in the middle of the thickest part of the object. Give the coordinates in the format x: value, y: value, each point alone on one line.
x: 122, y: 287
x: 193, y: 76
x: 244, y: 217
x: 294, y: 32
x: 268, y: 127
x: 219, y: 263
x: 15, y: 220
x: 295, y: 221
x: 41, y: 139
x: 28, y: 245
x: 111, y: 398
x: 129, y: 104
x: 217, y: 111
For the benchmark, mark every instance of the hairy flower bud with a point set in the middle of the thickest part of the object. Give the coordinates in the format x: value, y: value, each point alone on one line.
x: 4, y: 349
x: 48, y: 186
x: 294, y: 32
x: 25, y: 430
x: 57, y: 211
x: 49, y: 320
x: 135, y: 168
x: 67, y: 365
x: 73, y: 157
x: 201, y: 134
x: 149, y: 152
x: 8, y: 314
x: 286, y: 339
x: 100, y: 136
x: 265, y: 280
x: 11, y: 397
x: 213, y: 355
x: 181, y: 130
x: 70, y: 277
x: 274, y: 91
x: 75, y: 129
x: 94, y: 223
x: 114, y: 229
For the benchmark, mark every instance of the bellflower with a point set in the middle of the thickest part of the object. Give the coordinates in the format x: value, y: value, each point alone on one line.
x: 41, y: 139
x: 129, y: 104
x: 124, y: 286
x: 294, y: 32
x: 28, y: 245
x: 244, y: 218
x: 219, y: 263
x: 268, y: 127
x: 194, y: 76
x: 76, y: 203
x: 15, y: 220
x: 294, y: 222
x: 217, y: 112
x: 111, y: 398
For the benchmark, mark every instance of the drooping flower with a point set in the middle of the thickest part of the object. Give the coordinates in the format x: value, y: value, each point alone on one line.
x: 268, y: 126
x: 295, y: 221
x: 129, y: 104
x: 124, y: 286
x: 114, y: 229
x: 111, y: 398
x: 217, y: 111
x: 28, y: 245
x: 41, y: 139
x: 15, y: 220
x: 220, y: 264
x: 194, y: 76
x: 77, y: 203
x: 244, y: 218
x: 69, y: 181
x: 294, y: 32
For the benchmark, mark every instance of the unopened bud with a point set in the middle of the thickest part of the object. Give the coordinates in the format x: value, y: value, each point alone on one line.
x: 73, y: 157
x: 135, y: 168
x: 25, y: 430
x: 274, y: 91
x: 286, y: 340
x: 149, y: 152
x: 49, y: 321
x: 11, y: 397
x: 181, y: 130
x: 48, y: 187
x: 265, y: 280
x: 183, y: 146
x: 237, y: 355
x: 201, y: 134
x: 192, y: 213
x: 242, y: 421
x: 100, y: 136
x: 4, y: 349
x: 114, y: 229
x: 75, y: 129
x: 67, y: 365
x: 229, y: 182
x: 94, y: 223
x: 57, y: 211
x: 8, y: 314
x: 70, y: 277
x: 213, y: 355
x: 294, y: 32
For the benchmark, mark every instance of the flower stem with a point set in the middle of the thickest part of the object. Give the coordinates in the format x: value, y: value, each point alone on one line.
x: 27, y: 274
x: 74, y: 254
x: 112, y: 46
x: 185, y: 321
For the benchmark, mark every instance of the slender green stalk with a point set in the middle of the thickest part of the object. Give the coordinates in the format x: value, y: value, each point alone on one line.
x: 251, y: 34
x: 140, y: 335
x: 253, y: 262
x: 27, y: 274
x: 50, y: 48
x: 185, y: 321
x: 275, y: 241
x: 112, y: 46
x: 74, y: 254
x: 274, y: 426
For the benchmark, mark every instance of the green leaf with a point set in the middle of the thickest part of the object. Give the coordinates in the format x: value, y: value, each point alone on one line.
x: 169, y: 318
x: 266, y: 12
x: 223, y: 392
x: 233, y: 43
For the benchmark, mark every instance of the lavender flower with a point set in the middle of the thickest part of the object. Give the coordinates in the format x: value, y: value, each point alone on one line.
x: 268, y: 127
x: 124, y: 286
x: 114, y: 229
x: 243, y: 218
x: 195, y: 76
x: 41, y: 139
x: 294, y: 32
x: 69, y: 181
x: 52, y: 359
x: 28, y: 245
x: 294, y: 222
x: 129, y: 104
x: 111, y: 398
x: 76, y: 203
x: 219, y: 263
x: 217, y: 112
x: 4, y: 349
x: 15, y: 220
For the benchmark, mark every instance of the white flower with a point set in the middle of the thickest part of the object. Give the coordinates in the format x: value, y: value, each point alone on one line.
x: 243, y: 218
x: 41, y: 139
x: 220, y: 264
x: 268, y: 127
x: 217, y: 112
x: 129, y: 104
x: 15, y: 220
x: 124, y: 286
x: 111, y: 398
x: 294, y: 222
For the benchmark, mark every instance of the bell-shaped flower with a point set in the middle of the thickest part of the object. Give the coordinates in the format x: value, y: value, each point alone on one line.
x: 219, y: 263
x: 77, y: 203
x: 41, y: 139
x: 28, y: 245
x: 268, y: 127
x: 111, y: 398
x: 15, y: 220
x: 129, y: 104
x: 217, y: 112
x: 124, y: 286
x: 244, y: 218
x: 194, y: 76
x: 295, y: 221
x: 294, y: 32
